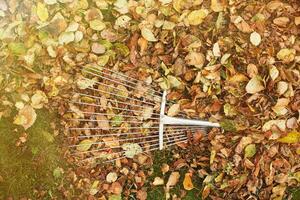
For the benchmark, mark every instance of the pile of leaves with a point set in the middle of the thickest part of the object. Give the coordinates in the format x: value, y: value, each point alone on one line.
x: 235, y: 62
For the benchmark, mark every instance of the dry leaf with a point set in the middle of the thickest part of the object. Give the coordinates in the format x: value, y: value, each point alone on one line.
x: 148, y: 35
x: 255, y: 85
x: 174, y: 110
x: 173, y: 179
x: 26, y: 117
x: 286, y: 55
x: 255, y: 38
x: 111, y: 177
x: 217, y: 5
x: 84, y: 145
x: 281, y: 21
x: 187, y: 182
x: 158, y: 181
x: 196, y: 17
x: 242, y: 144
x: 290, y: 138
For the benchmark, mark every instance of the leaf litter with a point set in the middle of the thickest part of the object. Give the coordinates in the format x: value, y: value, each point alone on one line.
x: 227, y: 61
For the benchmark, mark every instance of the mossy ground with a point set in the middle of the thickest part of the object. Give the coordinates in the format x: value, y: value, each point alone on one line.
x: 29, y: 167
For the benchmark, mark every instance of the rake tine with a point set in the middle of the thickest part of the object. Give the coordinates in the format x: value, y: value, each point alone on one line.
x: 109, y: 114
x: 115, y: 88
x: 95, y: 157
x: 120, y: 146
x: 122, y: 75
x: 116, y: 108
x: 150, y: 150
x: 113, y: 101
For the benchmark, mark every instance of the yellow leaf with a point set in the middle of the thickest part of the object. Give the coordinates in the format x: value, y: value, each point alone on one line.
x: 290, y: 138
x: 196, y: 17
x: 187, y: 182
x: 42, y: 12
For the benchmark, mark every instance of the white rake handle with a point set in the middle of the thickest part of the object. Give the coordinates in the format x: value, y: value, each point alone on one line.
x: 166, y: 120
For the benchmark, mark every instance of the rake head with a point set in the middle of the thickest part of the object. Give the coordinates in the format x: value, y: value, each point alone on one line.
x: 115, y: 116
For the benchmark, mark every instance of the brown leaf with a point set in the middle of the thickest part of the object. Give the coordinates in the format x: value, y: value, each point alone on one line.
x: 173, y: 179
x: 187, y: 182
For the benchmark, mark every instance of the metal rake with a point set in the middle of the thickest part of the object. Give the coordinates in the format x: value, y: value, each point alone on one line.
x: 114, y: 116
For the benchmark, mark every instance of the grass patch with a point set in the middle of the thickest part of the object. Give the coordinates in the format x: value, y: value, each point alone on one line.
x: 157, y: 192
x: 29, y: 167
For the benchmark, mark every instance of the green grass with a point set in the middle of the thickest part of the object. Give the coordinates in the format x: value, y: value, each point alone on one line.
x: 29, y: 166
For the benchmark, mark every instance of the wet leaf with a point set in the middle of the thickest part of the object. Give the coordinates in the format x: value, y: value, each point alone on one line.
x: 148, y: 35
x: 26, y: 117
x: 290, y: 138
x: 85, y: 145
x: 187, y: 182
x: 131, y: 149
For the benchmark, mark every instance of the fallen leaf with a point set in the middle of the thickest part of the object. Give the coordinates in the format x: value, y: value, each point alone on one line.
x: 274, y: 73
x: 196, y: 17
x: 141, y: 195
x: 286, y: 55
x: 282, y: 87
x: 111, y: 177
x: 158, y: 181
x: 147, y: 112
x: 281, y: 124
x: 196, y: 59
x: 131, y: 149
x: 39, y: 99
x: 173, y: 179
x: 98, y: 48
x: 174, y: 110
x: 42, y: 11
x: 281, y: 21
x: 165, y: 168
x: 217, y: 5
x: 26, y: 117
x: 250, y: 151
x: 255, y: 38
x: 84, y: 145
x: 97, y: 25
x: 115, y: 197
x: 242, y: 144
x: 255, y: 85
x: 290, y: 138
x: 94, y: 188
x: 148, y: 35
x: 280, y: 107
x: 187, y: 182
x: 66, y: 37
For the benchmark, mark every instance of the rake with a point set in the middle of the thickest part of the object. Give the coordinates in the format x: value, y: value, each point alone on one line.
x: 114, y: 116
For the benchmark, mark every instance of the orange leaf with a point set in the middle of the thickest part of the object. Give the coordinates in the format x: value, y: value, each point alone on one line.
x: 187, y: 182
